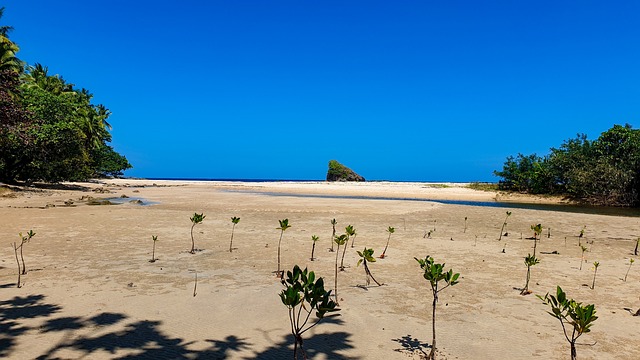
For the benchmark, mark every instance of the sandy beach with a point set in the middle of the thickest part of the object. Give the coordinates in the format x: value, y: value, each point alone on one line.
x: 90, y: 291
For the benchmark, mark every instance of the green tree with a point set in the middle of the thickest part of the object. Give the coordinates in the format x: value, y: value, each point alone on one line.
x: 576, y: 319
x: 8, y: 50
x: 435, y: 274
x: 605, y: 171
x: 303, y: 295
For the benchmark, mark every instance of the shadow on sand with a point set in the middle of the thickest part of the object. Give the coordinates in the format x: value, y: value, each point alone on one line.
x: 88, y: 336
x: 411, y: 345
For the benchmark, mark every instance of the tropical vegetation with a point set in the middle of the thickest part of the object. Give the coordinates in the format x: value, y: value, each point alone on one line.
x: 605, y: 171
x: 50, y: 130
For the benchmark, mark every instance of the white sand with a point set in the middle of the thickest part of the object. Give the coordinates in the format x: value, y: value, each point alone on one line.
x: 91, y: 292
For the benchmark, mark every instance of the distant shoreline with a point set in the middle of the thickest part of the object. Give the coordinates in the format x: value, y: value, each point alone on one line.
x: 302, y: 180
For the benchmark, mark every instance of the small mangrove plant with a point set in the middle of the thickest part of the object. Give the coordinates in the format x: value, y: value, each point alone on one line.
x: 339, y: 240
x: 390, y: 230
x: 537, y: 230
x: 635, y: 251
x: 234, y: 221
x: 581, y: 235
x: 351, y: 232
x: 366, y: 256
x: 353, y: 235
x: 504, y: 225
x: 195, y: 220
x: 435, y: 274
x: 529, y: 261
x: 284, y: 225
x: 24, y: 240
x: 153, y: 252
x: 314, y: 239
x: 582, y: 259
x: 631, y: 261
x: 302, y: 296
x: 333, y: 233
x: 596, y: 264
x: 576, y: 319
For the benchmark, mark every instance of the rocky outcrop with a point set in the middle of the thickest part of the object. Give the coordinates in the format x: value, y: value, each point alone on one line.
x: 339, y: 172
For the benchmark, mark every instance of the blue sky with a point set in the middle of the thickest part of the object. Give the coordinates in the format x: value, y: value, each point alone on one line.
x: 410, y: 90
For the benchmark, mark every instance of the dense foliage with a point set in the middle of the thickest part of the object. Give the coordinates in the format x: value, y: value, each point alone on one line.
x: 605, y: 171
x: 49, y: 130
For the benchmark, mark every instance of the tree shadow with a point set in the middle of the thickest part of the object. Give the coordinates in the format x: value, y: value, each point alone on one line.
x: 220, y: 349
x: 143, y: 338
x: 411, y: 345
x: 93, y: 336
x: 13, y: 311
x: 329, y: 344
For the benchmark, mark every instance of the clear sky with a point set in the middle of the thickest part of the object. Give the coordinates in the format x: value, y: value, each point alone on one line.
x: 397, y: 90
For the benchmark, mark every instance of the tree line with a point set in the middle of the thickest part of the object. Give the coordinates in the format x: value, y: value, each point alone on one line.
x: 49, y: 129
x: 605, y: 171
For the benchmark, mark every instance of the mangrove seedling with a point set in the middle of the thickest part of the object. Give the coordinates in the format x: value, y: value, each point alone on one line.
x: 333, y: 234
x: 24, y: 240
x: 195, y: 284
x: 635, y: 251
x: 15, y: 251
x: 537, y: 230
x: 582, y: 259
x: 195, y: 220
x: 530, y: 260
x: 595, y: 272
x: 631, y: 261
x: 390, y: 230
x: 504, y: 225
x: 314, y: 238
x: 576, y: 319
x: 153, y: 252
x: 435, y: 274
x: 353, y: 235
x: 235, y: 221
x: 340, y: 240
x: 303, y: 294
x: 581, y: 235
x: 284, y: 225
x: 366, y: 256
x: 465, y: 224
x: 351, y: 232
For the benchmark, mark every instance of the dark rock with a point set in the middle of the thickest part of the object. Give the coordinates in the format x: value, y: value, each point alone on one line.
x: 339, y: 172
